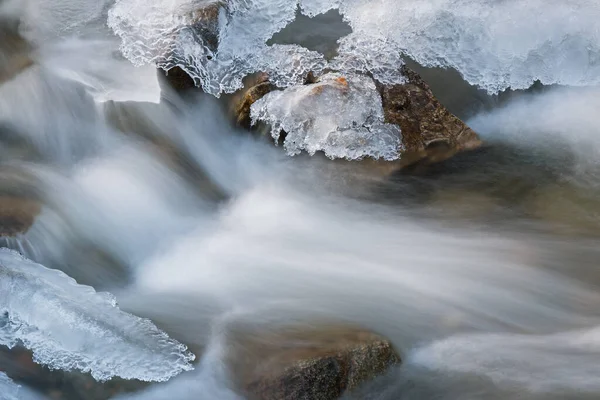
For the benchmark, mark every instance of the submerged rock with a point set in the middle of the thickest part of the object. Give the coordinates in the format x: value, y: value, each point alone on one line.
x: 315, y: 364
x: 17, y: 215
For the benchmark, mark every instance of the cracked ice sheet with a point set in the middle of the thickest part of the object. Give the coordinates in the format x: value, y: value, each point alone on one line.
x: 341, y: 116
x: 493, y: 44
x: 72, y: 327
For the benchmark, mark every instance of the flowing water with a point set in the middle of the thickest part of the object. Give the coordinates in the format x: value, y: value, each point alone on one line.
x: 482, y: 270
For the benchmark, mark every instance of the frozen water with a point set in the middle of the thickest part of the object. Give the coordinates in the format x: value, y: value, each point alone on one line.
x: 71, y: 327
x: 11, y: 391
x: 341, y: 116
x: 493, y: 44
x: 8, y: 388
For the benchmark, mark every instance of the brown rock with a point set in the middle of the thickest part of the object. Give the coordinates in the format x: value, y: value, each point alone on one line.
x: 17, y: 215
x: 255, y: 88
x: 206, y: 22
x: 14, y: 51
x: 206, y: 25
x: 430, y: 133
x: 315, y: 364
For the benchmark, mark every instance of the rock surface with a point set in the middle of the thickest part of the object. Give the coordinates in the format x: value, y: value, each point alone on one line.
x: 17, y: 215
x: 315, y: 364
x: 205, y: 23
x: 429, y: 131
x: 14, y: 51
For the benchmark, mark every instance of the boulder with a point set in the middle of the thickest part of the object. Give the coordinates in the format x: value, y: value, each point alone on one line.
x: 255, y: 87
x: 302, y: 364
x: 430, y: 133
x: 15, y: 52
x: 205, y: 24
x: 17, y: 214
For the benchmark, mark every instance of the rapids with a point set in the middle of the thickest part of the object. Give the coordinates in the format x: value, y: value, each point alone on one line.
x: 482, y: 270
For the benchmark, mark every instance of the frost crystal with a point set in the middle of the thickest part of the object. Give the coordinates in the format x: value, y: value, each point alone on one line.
x: 71, y: 327
x: 341, y: 116
x: 493, y: 44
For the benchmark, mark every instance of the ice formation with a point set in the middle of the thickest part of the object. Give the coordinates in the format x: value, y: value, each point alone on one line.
x: 71, y: 327
x: 493, y: 44
x: 339, y: 115
x: 8, y: 388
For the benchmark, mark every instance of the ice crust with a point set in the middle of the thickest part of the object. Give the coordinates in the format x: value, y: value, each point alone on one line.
x: 493, y: 44
x: 8, y: 389
x: 341, y: 115
x: 72, y: 327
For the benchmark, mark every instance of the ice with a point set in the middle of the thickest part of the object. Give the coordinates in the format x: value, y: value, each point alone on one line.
x: 341, y: 116
x: 493, y: 44
x: 11, y: 391
x: 72, y: 327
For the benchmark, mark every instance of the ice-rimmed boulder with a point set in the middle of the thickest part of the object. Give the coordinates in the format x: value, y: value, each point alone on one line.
x: 352, y: 116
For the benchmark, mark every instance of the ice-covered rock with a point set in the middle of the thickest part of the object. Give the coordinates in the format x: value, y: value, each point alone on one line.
x: 494, y: 45
x: 341, y: 116
x: 72, y: 327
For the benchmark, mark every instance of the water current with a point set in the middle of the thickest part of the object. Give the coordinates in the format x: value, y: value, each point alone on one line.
x: 483, y: 270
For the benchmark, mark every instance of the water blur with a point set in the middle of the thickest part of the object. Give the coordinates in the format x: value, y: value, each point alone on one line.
x: 481, y: 270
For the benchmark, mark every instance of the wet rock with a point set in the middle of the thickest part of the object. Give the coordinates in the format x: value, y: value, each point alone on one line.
x: 14, y: 51
x: 177, y: 79
x: 17, y: 215
x: 255, y: 88
x: 205, y: 24
x: 315, y: 364
x: 430, y: 133
x: 18, y: 364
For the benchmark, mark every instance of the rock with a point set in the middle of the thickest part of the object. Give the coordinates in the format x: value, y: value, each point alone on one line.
x: 18, y: 364
x: 177, y: 79
x: 17, y: 215
x: 430, y: 133
x: 14, y: 51
x: 255, y: 87
x: 315, y: 364
x: 206, y: 26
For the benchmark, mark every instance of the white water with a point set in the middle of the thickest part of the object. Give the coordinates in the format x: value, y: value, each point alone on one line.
x: 286, y: 244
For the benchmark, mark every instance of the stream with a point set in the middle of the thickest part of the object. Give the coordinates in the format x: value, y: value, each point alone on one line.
x: 482, y: 270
